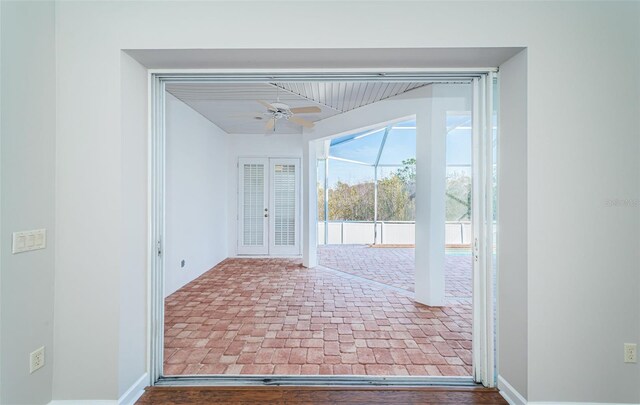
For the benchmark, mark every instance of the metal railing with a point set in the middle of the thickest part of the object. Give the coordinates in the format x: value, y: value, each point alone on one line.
x: 388, y: 232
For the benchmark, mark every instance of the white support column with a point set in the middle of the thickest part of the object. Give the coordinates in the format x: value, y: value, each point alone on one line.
x: 430, y: 209
x: 309, y: 204
x: 431, y: 136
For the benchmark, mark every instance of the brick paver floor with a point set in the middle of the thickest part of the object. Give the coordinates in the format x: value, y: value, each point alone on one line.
x: 396, y: 267
x: 273, y: 316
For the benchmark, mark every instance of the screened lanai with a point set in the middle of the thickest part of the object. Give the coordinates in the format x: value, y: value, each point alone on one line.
x: 366, y: 185
x: 367, y: 205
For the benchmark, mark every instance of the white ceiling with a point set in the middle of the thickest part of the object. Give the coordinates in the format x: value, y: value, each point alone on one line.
x: 234, y: 106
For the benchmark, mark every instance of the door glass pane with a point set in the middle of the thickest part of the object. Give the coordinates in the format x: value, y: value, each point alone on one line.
x: 253, y: 210
x: 284, y: 180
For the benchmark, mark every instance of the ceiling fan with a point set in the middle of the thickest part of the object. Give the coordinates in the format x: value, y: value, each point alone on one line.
x: 278, y: 110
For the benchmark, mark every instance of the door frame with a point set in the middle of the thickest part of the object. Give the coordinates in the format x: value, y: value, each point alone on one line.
x: 484, y: 332
x: 483, y: 226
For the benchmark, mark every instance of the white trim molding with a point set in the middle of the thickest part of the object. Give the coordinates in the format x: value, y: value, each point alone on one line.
x: 483, y: 350
x: 509, y: 393
x: 158, y: 81
x: 513, y: 397
x: 134, y: 392
x: 84, y: 402
x: 128, y: 398
x: 579, y: 403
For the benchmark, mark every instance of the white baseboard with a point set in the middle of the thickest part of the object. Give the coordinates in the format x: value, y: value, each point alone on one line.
x: 128, y: 398
x: 513, y: 397
x: 509, y: 393
x: 135, y: 391
x: 576, y: 403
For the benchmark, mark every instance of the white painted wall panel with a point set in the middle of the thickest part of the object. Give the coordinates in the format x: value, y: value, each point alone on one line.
x: 582, y: 131
x: 512, y: 225
x: 27, y: 167
x: 398, y: 234
x: 359, y: 233
x: 133, y: 270
x: 196, y: 201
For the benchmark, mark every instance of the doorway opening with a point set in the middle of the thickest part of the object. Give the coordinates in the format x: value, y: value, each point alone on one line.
x: 263, y: 319
x: 366, y: 204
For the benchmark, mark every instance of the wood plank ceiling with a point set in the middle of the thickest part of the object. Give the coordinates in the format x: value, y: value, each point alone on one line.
x: 234, y: 107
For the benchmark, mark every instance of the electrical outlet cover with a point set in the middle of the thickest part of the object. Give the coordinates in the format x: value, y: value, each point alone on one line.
x: 36, y: 359
x: 630, y: 353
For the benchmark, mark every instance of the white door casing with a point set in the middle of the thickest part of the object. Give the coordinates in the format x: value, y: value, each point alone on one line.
x: 483, y: 344
x: 483, y: 339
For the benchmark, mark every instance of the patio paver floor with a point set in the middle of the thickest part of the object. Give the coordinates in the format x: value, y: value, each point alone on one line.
x: 396, y: 267
x: 273, y: 316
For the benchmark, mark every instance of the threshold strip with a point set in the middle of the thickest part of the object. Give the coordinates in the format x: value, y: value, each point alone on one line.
x: 313, y: 380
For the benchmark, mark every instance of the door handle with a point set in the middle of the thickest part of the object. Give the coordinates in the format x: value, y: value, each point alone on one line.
x: 266, y: 215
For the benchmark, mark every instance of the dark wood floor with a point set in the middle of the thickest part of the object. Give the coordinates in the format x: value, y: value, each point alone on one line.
x: 318, y: 395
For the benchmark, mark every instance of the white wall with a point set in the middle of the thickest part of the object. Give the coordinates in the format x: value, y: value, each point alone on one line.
x: 512, y: 225
x: 196, y: 204
x: 253, y: 145
x: 132, y: 322
x: 27, y: 197
x: 581, y: 152
x: 582, y: 132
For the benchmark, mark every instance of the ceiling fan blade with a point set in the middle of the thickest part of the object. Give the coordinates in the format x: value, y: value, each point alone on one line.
x: 305, y: 110
x: 270, y: 124
x: 301, y: 121
x: 269, y: 106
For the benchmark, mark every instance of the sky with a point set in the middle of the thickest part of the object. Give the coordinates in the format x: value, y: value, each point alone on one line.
x: 400, y: 145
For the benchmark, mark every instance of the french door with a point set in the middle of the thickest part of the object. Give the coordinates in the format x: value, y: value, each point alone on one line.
x: 268, y: 206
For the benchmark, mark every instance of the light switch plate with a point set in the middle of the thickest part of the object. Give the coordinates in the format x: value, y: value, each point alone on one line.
x: 29, y: 240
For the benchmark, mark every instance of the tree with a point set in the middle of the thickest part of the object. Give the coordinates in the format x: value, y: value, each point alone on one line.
x: 396, y: 197
x: 458, y: 192
x: 408, y: 175
x: 355, y: 202
x: 320, y: 203
x: 351, y: 202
